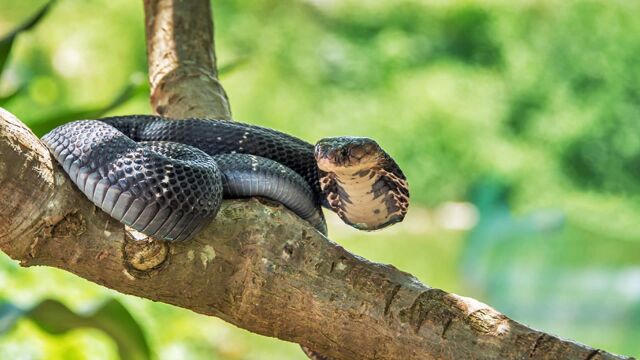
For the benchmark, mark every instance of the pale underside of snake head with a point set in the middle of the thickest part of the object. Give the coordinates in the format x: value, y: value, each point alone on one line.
x: 361, y: 182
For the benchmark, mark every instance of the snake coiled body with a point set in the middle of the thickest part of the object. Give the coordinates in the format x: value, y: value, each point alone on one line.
x: 166, y: 178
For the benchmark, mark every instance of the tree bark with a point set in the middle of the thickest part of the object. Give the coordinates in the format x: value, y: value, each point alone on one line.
x: 182, y: 60
x: 256, y: 265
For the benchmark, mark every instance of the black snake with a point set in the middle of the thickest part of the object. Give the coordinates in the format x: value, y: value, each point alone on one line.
x: 166, y: 178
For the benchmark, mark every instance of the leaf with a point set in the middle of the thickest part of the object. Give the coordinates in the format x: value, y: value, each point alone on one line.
x: 111, y: 317
x: 118, y: 323
x: 7, y: 42
x: 5, y: 49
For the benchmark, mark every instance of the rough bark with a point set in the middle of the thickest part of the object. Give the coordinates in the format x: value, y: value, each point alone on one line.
x: 256, y: 265
x: 182, y: 60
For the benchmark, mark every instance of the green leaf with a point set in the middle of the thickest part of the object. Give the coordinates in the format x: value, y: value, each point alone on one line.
x: 7, y: 42
x: 5, y: 49
x: 111, y: 317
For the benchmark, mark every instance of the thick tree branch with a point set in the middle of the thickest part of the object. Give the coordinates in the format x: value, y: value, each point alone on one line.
x: 182, y: 60
x: 256, y: 265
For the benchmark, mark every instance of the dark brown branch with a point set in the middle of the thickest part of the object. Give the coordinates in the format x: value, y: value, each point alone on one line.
x: 257, y: 265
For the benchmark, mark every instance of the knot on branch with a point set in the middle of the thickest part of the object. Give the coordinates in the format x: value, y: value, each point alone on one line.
x: 142, y: 255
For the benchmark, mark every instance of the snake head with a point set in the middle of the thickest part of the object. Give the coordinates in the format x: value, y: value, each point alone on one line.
x: 361, y: 182
x: 347, y: 154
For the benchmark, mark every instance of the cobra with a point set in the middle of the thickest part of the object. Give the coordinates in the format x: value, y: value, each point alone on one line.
x: 166, y: 178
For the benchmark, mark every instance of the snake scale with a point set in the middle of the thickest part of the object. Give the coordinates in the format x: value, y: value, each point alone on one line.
x: 166, y: 178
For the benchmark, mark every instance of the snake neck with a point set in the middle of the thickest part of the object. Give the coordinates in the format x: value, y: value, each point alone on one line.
x: 367, y: 198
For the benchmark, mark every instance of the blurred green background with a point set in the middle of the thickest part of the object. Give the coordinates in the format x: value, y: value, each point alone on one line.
x: 517, y: 124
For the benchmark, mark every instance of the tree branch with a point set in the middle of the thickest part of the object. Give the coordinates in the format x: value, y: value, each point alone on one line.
x: 256, y: 265
x: 182, y: 60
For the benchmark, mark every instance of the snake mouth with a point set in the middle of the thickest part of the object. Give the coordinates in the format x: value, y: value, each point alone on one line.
x: 347, y: 154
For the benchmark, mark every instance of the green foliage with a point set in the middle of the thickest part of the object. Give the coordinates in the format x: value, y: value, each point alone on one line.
x: 607, y: 158
x: 6, y: 42
x: 55, y: 318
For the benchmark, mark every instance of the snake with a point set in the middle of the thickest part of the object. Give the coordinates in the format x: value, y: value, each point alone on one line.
x: 166, y: 178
